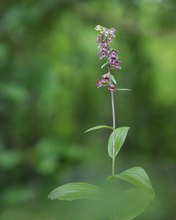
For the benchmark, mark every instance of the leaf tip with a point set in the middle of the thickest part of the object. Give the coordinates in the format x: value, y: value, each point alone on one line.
x: 49, y: 196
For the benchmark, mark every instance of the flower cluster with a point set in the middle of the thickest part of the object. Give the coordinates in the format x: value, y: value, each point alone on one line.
x: 104, y: 81
x: 113, y: 59
x: 104, y: 37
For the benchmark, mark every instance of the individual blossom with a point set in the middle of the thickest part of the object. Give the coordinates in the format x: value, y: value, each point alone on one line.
x: 99, y: 84
x: 112, y: 87
x: 100, y: 39
x: 106, y: 76
x: 104, y: 50
x: 105, y: 47
x: 114, y: 63
x: 111, y: 34
x: 102, y: 54
x: 104, y: 81
x: 113, y: 53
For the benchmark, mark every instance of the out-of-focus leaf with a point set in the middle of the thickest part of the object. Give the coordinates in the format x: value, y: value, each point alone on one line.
x: 98, y: 127
x: 119, y: 136
x: 132, y: 203
x: 75, y: 191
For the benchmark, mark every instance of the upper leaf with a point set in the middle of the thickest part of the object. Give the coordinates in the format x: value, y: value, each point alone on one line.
x: 104, y: 65
x: 113, y: 79
x: 123, y: 89
x: 138, y: 177
x: 119, y: 136
x: 98, y: 127
x: 77, y: 190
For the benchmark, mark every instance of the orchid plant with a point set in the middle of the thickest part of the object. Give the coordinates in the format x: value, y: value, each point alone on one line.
x: 131, y: 201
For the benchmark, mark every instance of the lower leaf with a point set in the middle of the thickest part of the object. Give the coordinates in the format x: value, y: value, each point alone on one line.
x: 77, y: 190
x: 132, y: 203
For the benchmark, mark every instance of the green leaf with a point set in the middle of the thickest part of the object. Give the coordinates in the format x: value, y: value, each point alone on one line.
x: 104, y: 65
x: 119, y: 135
x: 132, y: 203
x: 98, y: 127
x: 113, y: 79
x: 136, y: 176
x: 124, y: 89
x: 75, y: 191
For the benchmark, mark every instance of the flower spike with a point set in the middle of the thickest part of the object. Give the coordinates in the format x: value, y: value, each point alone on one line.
x: 104, y: 37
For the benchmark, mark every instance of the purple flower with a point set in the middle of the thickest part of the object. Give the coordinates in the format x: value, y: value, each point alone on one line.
x: 113, y: 53
x: 100, y: 44
x: 112, y: 87
x: 100, y: 38
x: 109, y: 33
x: 114, y: 62
x: 104, y: 81
x: 102, y: 54
x: 99, y: 84
x: 112, y: 32
x: 106, y: 76
x: 104, y: 37
x: 105, y: 47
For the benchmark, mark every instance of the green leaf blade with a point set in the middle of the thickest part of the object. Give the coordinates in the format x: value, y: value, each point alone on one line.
x: 113, y: 79
x: 104, y: 65
x: 75, y: 191
x: 98, y: 127
x: 138, y: 177
x: 124, y: 89
x: 120, y: 136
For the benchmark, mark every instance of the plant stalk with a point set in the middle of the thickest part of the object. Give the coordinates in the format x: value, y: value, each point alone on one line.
x: 113, y: 138
x: 114, y: 125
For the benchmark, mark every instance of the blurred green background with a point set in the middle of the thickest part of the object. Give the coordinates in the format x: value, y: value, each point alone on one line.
x: 48, y: 98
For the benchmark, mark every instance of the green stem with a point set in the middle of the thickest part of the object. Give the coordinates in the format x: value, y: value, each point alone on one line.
x: 114, y: 126
x: 113, y: 139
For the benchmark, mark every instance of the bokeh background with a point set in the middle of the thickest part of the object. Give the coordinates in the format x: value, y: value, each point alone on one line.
x: 48, y: 98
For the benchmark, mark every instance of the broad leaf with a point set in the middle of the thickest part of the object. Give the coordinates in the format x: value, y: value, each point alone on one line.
x: 132, y: 203
x: 136, y: 176
x: 77, y: 190
x: 98, y: 127
x: 113, y: 79
x: 119, y: 136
